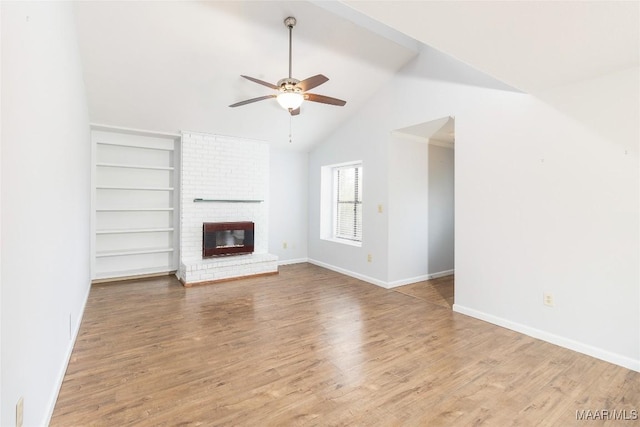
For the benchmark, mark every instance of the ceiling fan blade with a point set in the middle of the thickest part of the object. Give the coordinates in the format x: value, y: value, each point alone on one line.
x: 324, y: 99
x: 311, y: 82
x: 261, y: 82
x: 249, y: 101
x: 294, y: 112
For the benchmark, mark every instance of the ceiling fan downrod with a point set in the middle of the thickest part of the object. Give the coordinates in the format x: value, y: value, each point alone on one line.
x: 290, y: 22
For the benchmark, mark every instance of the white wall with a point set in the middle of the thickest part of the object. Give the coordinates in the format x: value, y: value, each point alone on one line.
x: 559, y: 208
x: 288, y: 213
x: 408, y: 210
x: 441, y: 209
x: 45, y: 204
x: 359, y: 139
x: 543, y: 203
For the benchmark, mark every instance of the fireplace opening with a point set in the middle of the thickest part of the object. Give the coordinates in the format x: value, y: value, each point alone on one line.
x: 227, y: 238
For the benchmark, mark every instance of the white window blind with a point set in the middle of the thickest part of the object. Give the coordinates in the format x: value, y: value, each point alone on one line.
x: 348, y: 202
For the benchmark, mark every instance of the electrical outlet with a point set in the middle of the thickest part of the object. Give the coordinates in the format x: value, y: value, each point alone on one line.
x: 369, y: 258
x: 20, y: 412
x: 547, y: 299
x: 284, y: 245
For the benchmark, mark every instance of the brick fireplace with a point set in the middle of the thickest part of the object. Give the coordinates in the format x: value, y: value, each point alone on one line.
x: 223, y: 180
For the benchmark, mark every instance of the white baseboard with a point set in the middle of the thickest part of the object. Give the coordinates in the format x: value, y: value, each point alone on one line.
x: 417, y: 279
x: 568, y: 343
x: 408, y: 281
x: 349, y: 273
x: 441, y: 274
x: 63, y: 368
x: 381, y: 283
x: 292, y: 261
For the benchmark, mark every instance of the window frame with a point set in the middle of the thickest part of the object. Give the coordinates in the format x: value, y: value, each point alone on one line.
x: 327, y: 205
x: 352, y: 238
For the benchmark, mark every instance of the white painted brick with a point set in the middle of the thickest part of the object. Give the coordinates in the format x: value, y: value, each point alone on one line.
x: 216, y: 167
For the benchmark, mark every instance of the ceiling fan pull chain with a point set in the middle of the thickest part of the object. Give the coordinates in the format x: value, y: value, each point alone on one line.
x: 290, y: 120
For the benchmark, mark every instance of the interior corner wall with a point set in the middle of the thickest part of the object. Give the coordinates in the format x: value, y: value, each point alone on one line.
x: 408, y: 210
x: 543, y: 203
x: 288, y: 203
x: 441, y: 210
x: 45, y: 204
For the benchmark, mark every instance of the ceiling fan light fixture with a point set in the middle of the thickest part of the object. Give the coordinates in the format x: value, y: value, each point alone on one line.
x: 292, y: 92
x: 290, y: 100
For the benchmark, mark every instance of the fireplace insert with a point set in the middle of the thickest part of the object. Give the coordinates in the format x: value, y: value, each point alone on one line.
x: 227, y: 238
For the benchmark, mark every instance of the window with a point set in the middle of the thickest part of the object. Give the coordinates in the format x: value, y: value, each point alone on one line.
x: 347, y: 217
x: 341, y: 203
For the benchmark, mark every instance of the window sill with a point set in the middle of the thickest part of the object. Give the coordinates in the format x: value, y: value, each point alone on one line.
x: 343, y: 241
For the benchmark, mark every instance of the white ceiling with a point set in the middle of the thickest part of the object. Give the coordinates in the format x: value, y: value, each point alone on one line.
x: 442, y: 130
x: 530, y: 45
x: 171, y: 66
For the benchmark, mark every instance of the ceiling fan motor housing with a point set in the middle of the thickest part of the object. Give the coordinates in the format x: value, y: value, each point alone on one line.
x: 288, y: 85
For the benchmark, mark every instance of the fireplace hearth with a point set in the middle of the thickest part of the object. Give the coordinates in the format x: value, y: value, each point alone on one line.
x: 227, y: 238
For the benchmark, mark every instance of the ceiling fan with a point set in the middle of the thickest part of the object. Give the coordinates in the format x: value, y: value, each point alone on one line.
x: 292, y: 92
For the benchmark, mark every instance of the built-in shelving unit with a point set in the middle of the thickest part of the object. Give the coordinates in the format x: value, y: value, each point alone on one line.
x: 135, y: 203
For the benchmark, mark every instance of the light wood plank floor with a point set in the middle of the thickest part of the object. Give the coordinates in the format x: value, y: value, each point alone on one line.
x: 313, y: 347
x: 436, y: 291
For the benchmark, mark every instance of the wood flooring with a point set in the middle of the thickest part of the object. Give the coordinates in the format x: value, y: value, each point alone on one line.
x: 313, y: 347
x: 437, y: 291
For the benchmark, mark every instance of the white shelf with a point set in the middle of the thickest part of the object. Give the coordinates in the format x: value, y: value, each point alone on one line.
x: 199, y: 200
x: 118, y: 144
x: 132, y: 252
x: 133, y: 273
x: 119, y: 165
x: 135, y: 210
x: 137, y: 230
x: 133, y: 131
x: 108, y: 187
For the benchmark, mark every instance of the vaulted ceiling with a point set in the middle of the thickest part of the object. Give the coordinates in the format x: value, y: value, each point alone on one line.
x: 171, y: 66
x: 530, y: 45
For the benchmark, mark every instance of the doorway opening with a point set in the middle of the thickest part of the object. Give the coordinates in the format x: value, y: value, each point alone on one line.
x: 439, y: 136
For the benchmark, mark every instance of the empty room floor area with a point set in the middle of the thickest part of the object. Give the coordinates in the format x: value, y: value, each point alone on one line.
x: 313, y: 347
